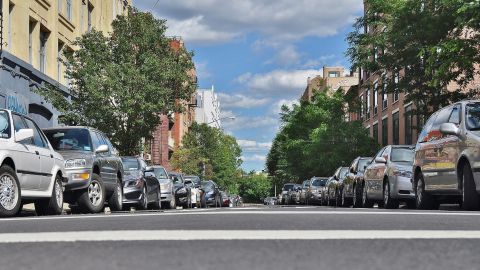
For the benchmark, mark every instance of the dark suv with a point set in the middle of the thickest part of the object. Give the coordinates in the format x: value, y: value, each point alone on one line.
x: 93, y: 166
x: 351, y: 187
x: 183, y: 193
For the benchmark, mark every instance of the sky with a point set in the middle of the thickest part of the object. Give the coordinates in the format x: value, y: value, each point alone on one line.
x: 258, y: 55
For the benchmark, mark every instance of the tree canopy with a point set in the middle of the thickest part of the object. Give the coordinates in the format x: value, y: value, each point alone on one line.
x: 121, y: 82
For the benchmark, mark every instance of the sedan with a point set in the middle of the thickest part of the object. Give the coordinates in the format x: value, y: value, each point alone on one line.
x: 212, y: 193
x: 140, y: 186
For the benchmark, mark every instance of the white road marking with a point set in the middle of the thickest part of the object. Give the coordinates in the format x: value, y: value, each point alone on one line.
x: 240, y: 211
x: 196, y: 235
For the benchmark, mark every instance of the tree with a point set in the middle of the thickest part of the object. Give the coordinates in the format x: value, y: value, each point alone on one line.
x: 422, y: 44
x: 315, y: 139
x: 121, y: 83
x: 211, y: 154
x: 254, y: 187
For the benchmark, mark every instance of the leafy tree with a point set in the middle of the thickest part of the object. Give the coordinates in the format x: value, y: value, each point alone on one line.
x: 122, y: 82
x: 211, y: 154
x: 254, y: 187
x: 315, y: 139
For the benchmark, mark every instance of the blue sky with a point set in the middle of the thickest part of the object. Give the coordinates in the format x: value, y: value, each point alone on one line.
x: 258, y: 54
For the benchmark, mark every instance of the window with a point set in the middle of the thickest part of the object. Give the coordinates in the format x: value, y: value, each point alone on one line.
x: 375, y: 98
x: 3, y: 102
x: 442, y: 117
x: 10, y: 24
x: 368, y: 103
x: 74, y: 139
x: 43, y: 50
x: 69, y: 10
x: 19, y: 123
x: 4, y: 125
x: 90, y: 16
x: 384, y: 95
x: 375, y: 132
x: 396, y: 128
x: 397, y: 90
x: 30, y: 41
x: 333, y: 74
x: 38, y: 140
x: 455, y: 116
x: 408, y: 125
x: 59, y: 61
x: 424, y: 135
x: 362, y: 107
x: 380, y: 153
x: 385, y: 131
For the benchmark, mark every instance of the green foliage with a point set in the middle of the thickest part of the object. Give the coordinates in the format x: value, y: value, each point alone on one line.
x: 254, y: 187
x: 315, y: 139
x: 211, y: 154
x: 430, y: 43
x: 122, y: 82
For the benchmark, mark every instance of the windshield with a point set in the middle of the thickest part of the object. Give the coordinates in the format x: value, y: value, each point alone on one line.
x: 69, y: 139
x: 362, y: 163
x: 472, y: 112
x: 176, y: 179
x: 194, y: 179
x: 4, y: 125
x: 402, y: 155
x: 130, y: 164
x: 160, y: 173
x: 319, y: 182
x: 208, y: 186
x: 343, y: 172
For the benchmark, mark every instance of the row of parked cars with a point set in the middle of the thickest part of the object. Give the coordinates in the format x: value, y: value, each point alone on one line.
x: 80, y: 166
x: 443, y: 167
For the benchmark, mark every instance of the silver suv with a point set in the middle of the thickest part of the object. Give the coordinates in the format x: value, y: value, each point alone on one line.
x: 446, y: 166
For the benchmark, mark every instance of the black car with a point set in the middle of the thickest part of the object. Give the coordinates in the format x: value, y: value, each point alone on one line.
x: 212, y: 193
x: 140, y: 186
x: 183, y: 193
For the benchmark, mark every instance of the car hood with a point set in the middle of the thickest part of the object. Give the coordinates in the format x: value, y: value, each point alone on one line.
x: 403, y: 166
x: 69, y: 154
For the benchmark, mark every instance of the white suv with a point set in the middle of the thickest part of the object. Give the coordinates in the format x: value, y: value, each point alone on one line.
x: 30, y: 170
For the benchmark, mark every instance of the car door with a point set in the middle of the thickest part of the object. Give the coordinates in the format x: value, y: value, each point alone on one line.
x: 46, y: 156
x: 425, y: 152
x: 449, y: 152
x: 108, y: 173
x: 28, y: 161
x: 348, y: 182
x: 374, y: 175
x: 151, y: 181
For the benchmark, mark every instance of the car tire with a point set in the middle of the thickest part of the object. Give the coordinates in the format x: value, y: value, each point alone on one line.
x: 115, y: 203
x: 9, y: 179
x: 92, y: 199
x: 357, y: 197
x: 143, y: 204
x: 173, y: 203
x: 53, y: 205
x: 337, y: 198
x: 203, y: 202
x: 157, y: 205
x: 366, y: 202
x: 188, y: 204
x: 470, y: 198
x: 423, y: 200
x: 388, y: 201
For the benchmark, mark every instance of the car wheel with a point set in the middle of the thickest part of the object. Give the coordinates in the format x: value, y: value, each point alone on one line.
x: 423, y: 200
x: 10, y: 195
x: 388, y: 201
x: 143, y: 204
x: 53, y: 205
x: 115, y: 203
x: 470, y: 200
x: 173, y: 203
x: 337, y: 198
x: 92, y: 199
x: 203, y: 202
x: 189, y: 201
x: 367, y: 203
x: 343, y: 199
x: 157, y: 205
x: 357, y: 197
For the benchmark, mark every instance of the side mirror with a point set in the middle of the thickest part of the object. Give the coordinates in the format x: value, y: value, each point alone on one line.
x: 335, y: 177
x: 449, y: 129
x: 380, y: 160
x: 23, y: 134
x: 149, y: 169
x: 102, y: 149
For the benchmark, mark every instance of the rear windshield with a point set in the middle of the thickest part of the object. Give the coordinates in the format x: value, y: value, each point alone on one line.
x: 69, y: 139
x: 4, y: 125
x: 402, y: 155
x: 319, y: 182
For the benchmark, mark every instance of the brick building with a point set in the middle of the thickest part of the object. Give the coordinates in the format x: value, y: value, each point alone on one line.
x: 333, y: 78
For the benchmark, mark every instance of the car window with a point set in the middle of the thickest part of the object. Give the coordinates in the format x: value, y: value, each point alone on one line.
x: 160, y: 173
x: 362, y: 163
x: 319, y: 182
x: 4, y: 125
x: 404, y: 154
x: 455, y: 115
x: 176, y: 179
x: 208, y: 186
x: 343, y: 173
x: 472, y: 115
x: 442, y: 117
x: 104, y: 140
x: 380, y: 153
x: 37, y: 136
x: 73, y: 139
x: 19, y: 123
x: 96, y: 140
x: 130, y: 164
x: 424, y: 135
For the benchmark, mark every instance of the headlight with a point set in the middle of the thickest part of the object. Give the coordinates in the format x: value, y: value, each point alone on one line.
x: 75, y: 163
x: 165, y: 186
x: 134, y: 183
x: 406, y: 174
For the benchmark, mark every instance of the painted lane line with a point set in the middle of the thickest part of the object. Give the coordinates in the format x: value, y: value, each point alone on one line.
x: 205, y: 235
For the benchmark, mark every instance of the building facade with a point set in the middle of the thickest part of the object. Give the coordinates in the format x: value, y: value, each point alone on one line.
x: 208, y: 108
x: 332, y: 78
x: 33, y: 36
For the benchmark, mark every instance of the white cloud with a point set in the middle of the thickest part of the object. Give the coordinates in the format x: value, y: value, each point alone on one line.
x: 202, y: 70
x: 255, y: 157
x: 276, y: 108
x: 252, y: 146
x: 228, y: 101
x: 318, y: 62
x: 216, y: 21
x: 249, y: 122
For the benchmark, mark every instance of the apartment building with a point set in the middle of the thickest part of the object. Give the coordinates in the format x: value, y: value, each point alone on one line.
x: 208, y: 108
x: 34, y: 33
x: 332, y: 78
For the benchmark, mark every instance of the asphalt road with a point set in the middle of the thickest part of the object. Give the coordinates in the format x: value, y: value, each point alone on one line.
x: 245, y: 238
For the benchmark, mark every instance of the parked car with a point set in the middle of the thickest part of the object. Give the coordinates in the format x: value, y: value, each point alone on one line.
x: 303, y: 192
x: 198, y: 194
x: 285, y: 193
x: 314, y: 192
x: 388, y: 179
x: 350, y: 191
x: 225, y: 199
x: 334, y: 186
x: 93, y: 166
x: 446, y: 165
x: 294, y: 195
x: 140, y: 186
x: 183, y: 193
x: 270, y: 201
x: 30, y: 170
x: 212, y: 193
x: 166, y: 187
